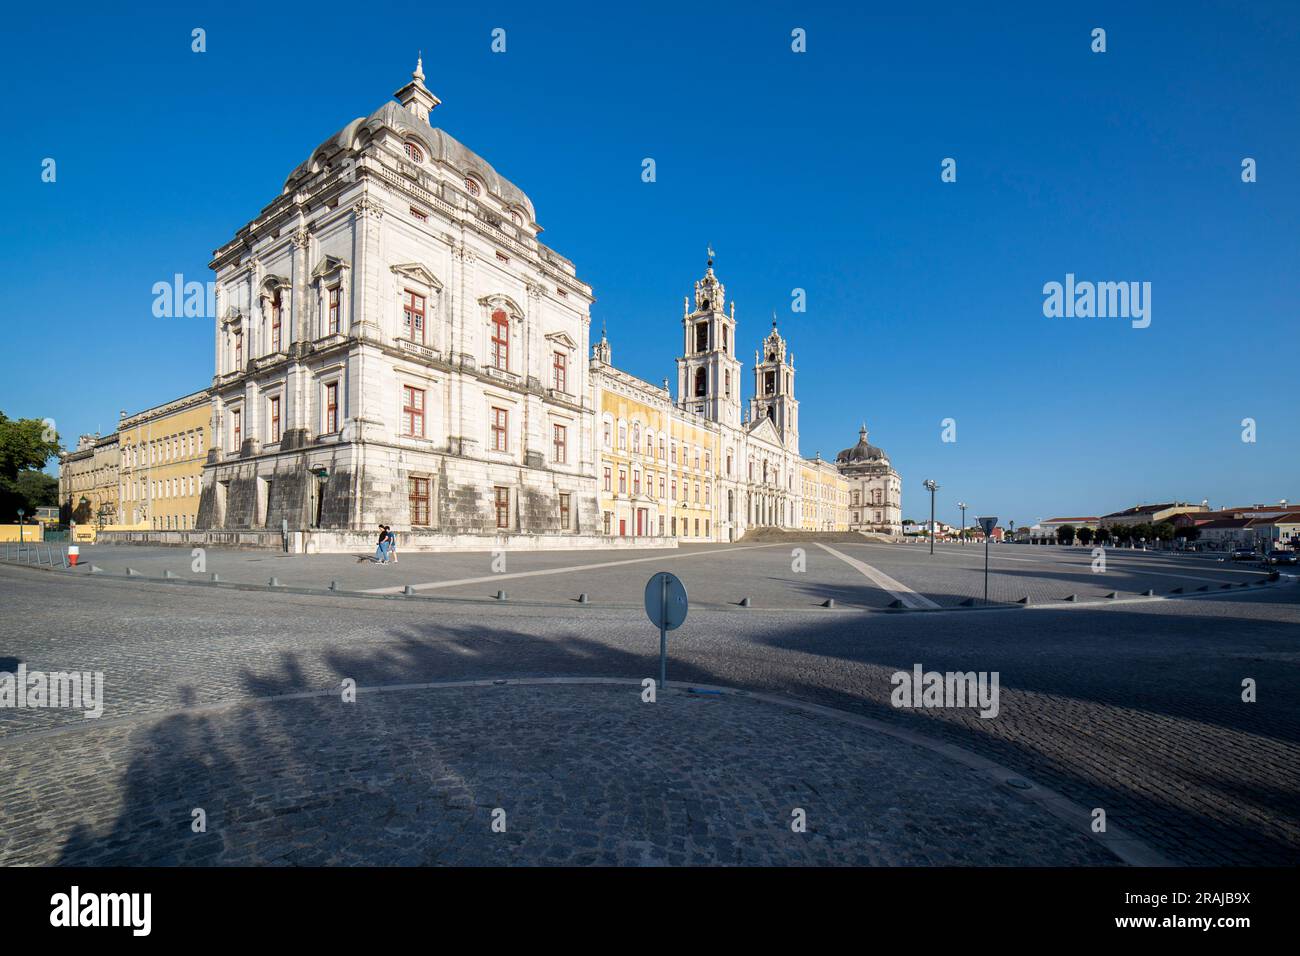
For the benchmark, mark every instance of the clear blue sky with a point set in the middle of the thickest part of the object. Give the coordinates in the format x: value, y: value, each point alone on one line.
x: 819, y: 171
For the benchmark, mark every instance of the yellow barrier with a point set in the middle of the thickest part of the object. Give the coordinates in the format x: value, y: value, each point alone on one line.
x: 31, y: 532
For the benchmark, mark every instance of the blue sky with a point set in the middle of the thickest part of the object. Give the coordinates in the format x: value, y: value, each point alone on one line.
x: 818, y: 171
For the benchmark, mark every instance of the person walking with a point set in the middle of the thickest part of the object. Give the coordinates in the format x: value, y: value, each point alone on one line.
x: 381, y: 548
x: 392, y: 544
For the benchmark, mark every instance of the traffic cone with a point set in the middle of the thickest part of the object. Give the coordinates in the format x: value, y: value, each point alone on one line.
x: 72, y: 555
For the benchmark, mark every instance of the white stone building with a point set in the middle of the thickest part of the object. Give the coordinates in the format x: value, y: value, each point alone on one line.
x: 875, y: 488
x: 394, y: 344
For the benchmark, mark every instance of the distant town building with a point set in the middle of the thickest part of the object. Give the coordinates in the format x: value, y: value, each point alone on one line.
x: 1150, y: 514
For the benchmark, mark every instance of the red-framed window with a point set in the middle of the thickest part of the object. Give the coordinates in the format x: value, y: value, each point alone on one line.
x: 636, y: 482
x: 559, y: 438
x: 622, y: 481
x: 332, y: 300
x: 275, y: 418
x: 275, y: 321
x: 609, y: 478
x: 331, y: 407
x: 413, y: 152
x: 501, y: 340
x: 501, y: 502
x: 418, y: 493
x: 564, y: 511
x: 413, y: 316
x: 236, y: 429
x: 412, y: 411
x: 239, y: 351
x: 500, y: 429
x: 560, y: 371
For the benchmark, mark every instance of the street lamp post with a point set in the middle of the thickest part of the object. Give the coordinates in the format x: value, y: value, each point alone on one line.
x: 21, y: 512
x: 932, y: 486
x: 962, y: 506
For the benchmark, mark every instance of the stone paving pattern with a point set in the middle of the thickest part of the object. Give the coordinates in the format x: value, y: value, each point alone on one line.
x: 585, y: 775
x: 1135, y: 708
x: 716, y: 575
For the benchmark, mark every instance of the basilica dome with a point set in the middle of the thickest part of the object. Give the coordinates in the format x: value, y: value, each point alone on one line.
x: 861, y: 452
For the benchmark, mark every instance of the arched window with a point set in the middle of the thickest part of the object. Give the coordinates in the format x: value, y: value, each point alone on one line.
x: 701, y: 382
x: 413, y: 152
x: 472, y: 186
x: 501, y: 340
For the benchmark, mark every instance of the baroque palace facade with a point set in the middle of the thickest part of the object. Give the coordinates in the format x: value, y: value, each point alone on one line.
x: 393, y: 344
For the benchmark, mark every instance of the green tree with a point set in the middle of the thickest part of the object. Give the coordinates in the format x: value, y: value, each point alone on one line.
x: 1086, y: 536
x: 1164, y: 531
x: 26, y: 444
x: 1065, y: 534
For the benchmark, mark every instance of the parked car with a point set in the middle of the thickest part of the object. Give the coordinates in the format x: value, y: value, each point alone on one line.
x: 1245, y: 554
x: 1282, y: 557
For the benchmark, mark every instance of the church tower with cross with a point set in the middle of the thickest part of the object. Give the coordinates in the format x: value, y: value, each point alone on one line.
x: 774, y: 388
x: 708, y: 372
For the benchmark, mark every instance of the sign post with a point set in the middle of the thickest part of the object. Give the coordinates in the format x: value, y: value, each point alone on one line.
x: 988, y: 524
x: 666, y: 604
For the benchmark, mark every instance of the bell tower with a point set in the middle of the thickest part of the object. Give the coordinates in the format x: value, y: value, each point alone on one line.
x: 708, y: 372
x: 774, y: 388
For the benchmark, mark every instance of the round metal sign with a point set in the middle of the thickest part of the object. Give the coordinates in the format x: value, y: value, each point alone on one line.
x: 665, y: 601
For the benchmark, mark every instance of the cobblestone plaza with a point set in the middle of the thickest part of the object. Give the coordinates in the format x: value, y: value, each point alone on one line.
x: 226, y: 698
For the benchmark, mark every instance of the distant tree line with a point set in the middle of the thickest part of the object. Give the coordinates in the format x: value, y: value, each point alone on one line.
x: 1162, y: 531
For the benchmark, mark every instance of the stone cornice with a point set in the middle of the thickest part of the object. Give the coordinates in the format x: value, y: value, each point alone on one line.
x: 168, y: 408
